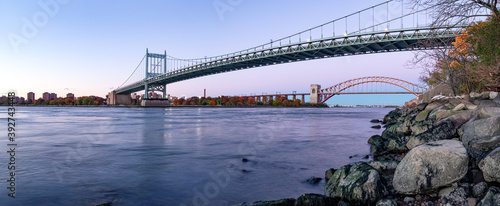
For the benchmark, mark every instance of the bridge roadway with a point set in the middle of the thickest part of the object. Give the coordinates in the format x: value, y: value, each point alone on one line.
x: 353, y: 44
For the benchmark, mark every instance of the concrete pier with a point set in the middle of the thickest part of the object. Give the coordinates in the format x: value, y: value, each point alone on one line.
x: 314, y: 98
x: 118, y: 99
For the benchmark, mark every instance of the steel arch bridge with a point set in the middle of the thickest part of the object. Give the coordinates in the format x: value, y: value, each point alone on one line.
x: 327, y: 93
x: 162, y: 69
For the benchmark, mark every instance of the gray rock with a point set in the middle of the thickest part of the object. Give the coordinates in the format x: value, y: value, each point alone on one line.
x: 378, y: 147
x: 314, y: 180
x: 375, y: 121
x: 444, y: 130
x: 422, y: 115
x: 492, y: 197
x: 431, y: 166
x: 459, y: 107
x: 490, y: 166
x: 429, y: 203
x: 387, y: 202
x: 486, y: 103
x: 497, y: 100
x: 456, y: 197
x: 409, y: 200
x: 458, y: 119
x: 493, y: 95
x: 329, y: 174
x: 471, y: 201
x: 342, y: 203
x: 377, y: 127
x: 375, y: 138
x: 480, y: 129
x: 282, y: 202
x: 420, y: 127
x: 357, y: 182
x: 480, y: 133
x: 384, y: 166
x: 485, y: 112
x: 479, y: 189
x: 487, y: 143
x: 314, y: 199
x: 395, y: 146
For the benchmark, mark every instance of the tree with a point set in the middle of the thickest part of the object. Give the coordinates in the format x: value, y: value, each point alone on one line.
x: 212, y: 103
x: 296, y: 103
x: 485, y: 48
x: 251, y: 101
x: 60, y: 101
x: 458, y: 11
x: 88, y: 101
x: 69, y: 101
x: 39, y: 101
x: 233, y: 101
x: 471, y: 62
x: 473, y: 59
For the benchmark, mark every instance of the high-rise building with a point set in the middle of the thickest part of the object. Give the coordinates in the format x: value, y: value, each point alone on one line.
x: 53, y: 96
x: 46, y: 96
x: 31, y: 96
x: 70, y: 95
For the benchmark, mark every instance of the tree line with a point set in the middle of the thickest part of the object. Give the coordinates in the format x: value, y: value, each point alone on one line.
x: 242, y: 101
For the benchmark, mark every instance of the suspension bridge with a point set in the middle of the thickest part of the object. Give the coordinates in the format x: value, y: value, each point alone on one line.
x: 385, y: 27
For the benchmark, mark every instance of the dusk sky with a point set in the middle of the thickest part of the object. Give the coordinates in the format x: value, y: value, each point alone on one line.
x: 90, y: 47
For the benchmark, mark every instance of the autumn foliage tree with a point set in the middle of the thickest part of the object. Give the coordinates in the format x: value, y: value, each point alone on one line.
x: 472, y: 61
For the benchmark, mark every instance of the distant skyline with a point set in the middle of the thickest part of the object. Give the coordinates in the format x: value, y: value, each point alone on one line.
x: 91, y: 47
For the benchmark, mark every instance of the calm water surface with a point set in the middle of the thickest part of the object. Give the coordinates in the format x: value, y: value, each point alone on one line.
x: 178, y: 156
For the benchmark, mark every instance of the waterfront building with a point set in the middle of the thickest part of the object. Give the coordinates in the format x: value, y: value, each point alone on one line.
x: 46, y: 96
x: 53, y: 96
x: 70, y: 95
x: 31, y: 96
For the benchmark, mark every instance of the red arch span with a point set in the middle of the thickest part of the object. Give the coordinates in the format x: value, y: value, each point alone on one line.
x: 329, y: 92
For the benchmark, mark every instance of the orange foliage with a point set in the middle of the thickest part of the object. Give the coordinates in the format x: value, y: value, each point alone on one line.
x: 251, y: 100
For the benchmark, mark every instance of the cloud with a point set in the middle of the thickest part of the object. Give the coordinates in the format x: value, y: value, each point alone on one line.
x: 111, y: 88
x: 66, y: 89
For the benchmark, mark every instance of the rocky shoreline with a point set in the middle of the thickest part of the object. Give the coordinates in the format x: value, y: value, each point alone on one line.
x: 445, y: 152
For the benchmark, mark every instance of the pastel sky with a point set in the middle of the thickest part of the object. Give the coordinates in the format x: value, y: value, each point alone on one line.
x: 89, y: 47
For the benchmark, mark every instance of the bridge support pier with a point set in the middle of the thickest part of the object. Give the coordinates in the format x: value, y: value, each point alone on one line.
x: 118, y: 99
x: 303, y: 99
x: 314, y: 98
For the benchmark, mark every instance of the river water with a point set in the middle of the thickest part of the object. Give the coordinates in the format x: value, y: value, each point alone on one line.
x: 178, y: 156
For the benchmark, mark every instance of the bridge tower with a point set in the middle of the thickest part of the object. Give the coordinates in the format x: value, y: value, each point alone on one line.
x: 315, y: 91
x: 156, y: 64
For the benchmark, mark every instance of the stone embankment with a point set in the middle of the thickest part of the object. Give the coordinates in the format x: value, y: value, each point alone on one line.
x: 445, y: 152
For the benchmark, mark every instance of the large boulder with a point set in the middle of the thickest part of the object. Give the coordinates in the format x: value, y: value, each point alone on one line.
x: 492, y: 197
x: 358, y: 182
x: 431, y: 166
x: 490, y: 166
x: 480, y: 136
x: 444, y: 130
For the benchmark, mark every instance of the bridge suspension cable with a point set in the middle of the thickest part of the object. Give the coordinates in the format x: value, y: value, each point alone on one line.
x: 133, y: 72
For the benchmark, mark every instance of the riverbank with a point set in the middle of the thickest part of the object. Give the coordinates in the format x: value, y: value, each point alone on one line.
x: 446, y: 152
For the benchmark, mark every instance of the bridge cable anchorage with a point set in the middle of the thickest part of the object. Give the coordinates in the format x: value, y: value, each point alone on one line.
x: 133, y: 72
